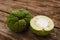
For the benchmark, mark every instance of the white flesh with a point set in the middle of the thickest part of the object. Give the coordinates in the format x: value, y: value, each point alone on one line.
x: 42, y: 23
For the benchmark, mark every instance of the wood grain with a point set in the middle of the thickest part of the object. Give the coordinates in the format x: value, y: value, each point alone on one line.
x: 50, y: 8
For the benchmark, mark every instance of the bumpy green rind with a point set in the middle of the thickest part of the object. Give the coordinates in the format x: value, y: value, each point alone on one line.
x: 18, y: 20
x: 41, y: 32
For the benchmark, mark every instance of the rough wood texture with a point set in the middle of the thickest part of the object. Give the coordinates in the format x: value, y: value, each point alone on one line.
x: 49, y: 8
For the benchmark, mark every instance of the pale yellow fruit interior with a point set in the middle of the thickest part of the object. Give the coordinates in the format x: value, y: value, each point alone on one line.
x: 42, y: 23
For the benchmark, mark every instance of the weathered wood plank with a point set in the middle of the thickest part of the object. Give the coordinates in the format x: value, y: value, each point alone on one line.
x: 58, y: 34
x: 36, y: 7
x: 49, y: 11
x: 7, y: 33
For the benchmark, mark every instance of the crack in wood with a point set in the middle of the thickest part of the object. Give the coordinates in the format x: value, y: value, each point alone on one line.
x: 8, y: 13
x: 57, y: 27
x: 4, y: 11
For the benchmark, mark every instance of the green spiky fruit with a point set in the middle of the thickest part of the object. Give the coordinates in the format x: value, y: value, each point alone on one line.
x: 42, y: 25
x: 18, y: 20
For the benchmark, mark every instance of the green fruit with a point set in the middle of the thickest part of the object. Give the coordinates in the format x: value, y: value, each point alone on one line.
x: 41, y: 25
x: 18, y: 20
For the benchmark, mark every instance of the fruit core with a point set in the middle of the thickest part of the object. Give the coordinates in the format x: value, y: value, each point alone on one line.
x: 42, y: 23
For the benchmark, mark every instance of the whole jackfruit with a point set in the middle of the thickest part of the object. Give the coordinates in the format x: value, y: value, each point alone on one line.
x: 18, y: 20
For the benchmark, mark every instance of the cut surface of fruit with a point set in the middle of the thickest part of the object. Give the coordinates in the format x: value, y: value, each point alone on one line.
x: 42, y: 23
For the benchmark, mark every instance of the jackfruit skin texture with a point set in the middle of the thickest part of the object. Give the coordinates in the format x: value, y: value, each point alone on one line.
x: 18, y: 20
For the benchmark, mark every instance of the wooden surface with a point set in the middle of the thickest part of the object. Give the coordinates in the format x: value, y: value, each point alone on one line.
x: 50, y: 8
